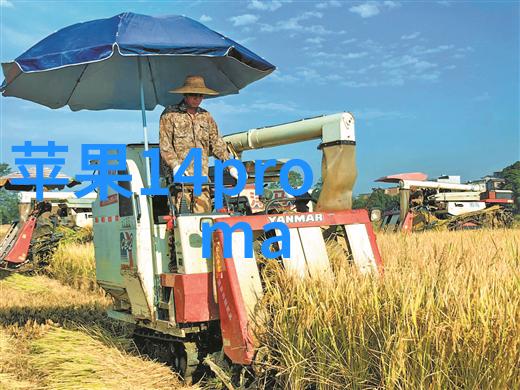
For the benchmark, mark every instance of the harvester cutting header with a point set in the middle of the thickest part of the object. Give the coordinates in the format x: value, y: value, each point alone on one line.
x: 173, y: 293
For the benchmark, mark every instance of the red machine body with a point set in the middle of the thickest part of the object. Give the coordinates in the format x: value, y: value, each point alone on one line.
x: 20, y: 249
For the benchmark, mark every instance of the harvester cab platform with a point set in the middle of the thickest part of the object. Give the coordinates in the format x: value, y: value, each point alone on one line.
x: 149, y: 257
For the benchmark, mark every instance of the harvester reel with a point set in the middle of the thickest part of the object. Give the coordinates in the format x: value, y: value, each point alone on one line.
x: 507, y: 218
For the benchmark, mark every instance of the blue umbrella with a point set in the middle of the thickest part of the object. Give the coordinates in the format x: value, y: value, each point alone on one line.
x: 129, y: 61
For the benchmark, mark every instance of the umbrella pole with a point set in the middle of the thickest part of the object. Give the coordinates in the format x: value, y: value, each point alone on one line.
x: 148, y: 181
x: 145, y: 128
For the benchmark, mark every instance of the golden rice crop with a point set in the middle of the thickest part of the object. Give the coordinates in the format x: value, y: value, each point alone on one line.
x: 74, y: 264
x: 3, y: 230
x: 445, y: 315
x: 78, y: 236
x: 12, y: 363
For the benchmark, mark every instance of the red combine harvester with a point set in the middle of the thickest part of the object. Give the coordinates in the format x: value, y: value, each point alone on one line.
x: 33, y: 235
x: 447, y: 204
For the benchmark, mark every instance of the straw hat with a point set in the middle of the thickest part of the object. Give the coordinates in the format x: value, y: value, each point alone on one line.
x: 194, y: 84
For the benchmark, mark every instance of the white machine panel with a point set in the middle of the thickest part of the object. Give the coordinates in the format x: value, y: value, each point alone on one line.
x: 247, y: 273
x: 84, y: 219
x: 188, y: 246
x: 295, y: 264
x: 136, y: 294
x: 308, y: 253
x: 313, y: 245
x: 459, y: 208
x: 457, y: 196
x: 361, y: 249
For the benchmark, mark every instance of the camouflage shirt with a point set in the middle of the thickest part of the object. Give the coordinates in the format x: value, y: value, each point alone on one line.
x: 180, y: 131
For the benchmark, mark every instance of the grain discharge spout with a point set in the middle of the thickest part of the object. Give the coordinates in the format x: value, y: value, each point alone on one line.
x: 338, y: 164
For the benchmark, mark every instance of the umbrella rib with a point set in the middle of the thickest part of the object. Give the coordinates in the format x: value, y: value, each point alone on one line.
x: 153, y: 81
x: 75, y: 85
x: 226, y: 76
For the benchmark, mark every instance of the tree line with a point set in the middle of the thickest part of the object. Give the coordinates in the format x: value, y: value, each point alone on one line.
x: 8, y: 200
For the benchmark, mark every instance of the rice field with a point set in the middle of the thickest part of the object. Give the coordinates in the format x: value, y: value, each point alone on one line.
x: 446, y: 314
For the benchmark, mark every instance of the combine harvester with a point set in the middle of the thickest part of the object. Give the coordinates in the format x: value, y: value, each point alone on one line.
x: 34, y: 235
x: 188, y: 309
x: 447, y: 204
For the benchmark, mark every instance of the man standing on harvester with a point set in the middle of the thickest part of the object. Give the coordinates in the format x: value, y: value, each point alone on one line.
x: 184, y: 126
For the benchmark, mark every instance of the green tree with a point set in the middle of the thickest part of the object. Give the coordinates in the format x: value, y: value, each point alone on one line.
x: 4, y: 169
x: 379, y: 200
x: 8, y: 199
x: 316, y: 189
x: 359, y: 202
x: 511, y: 174
x: 295, y: 179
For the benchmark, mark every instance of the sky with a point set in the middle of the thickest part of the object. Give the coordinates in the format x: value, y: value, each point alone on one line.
x: 433, y: 85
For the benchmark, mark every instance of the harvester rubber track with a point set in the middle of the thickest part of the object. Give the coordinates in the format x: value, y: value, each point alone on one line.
x: 189, y: 362
x: 182, y: 355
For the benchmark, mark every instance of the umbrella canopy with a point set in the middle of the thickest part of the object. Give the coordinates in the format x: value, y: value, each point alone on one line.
x: 114, y: 63
x: 7, y: 180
